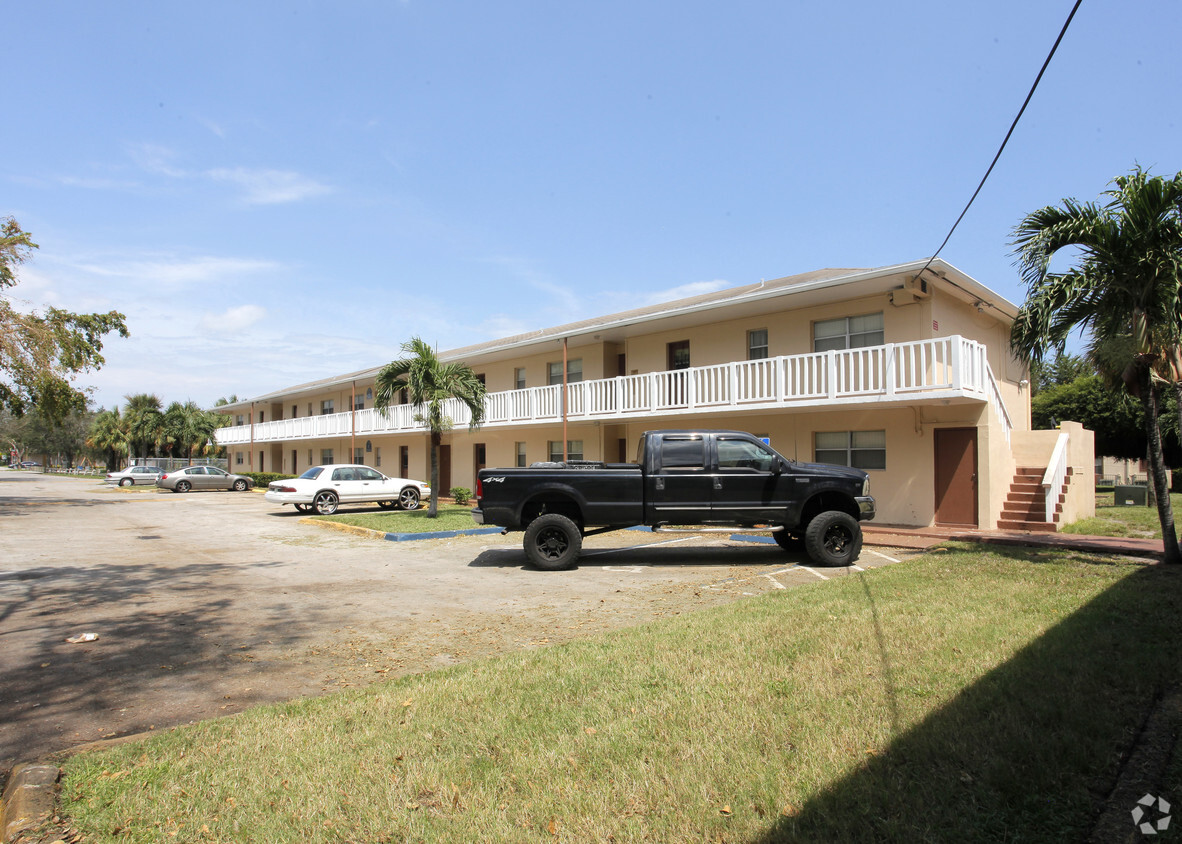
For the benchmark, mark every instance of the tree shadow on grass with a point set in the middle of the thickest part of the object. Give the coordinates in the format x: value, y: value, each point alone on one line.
x: 1029, y: 752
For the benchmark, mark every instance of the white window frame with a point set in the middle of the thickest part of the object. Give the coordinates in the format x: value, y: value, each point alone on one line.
x: 850, y: 332
x: 861, y: 449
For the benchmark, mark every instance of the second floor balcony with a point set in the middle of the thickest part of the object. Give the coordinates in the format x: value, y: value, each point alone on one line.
x: 896, y: 373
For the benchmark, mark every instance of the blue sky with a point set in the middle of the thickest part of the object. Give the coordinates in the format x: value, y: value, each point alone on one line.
x: 277, y: 192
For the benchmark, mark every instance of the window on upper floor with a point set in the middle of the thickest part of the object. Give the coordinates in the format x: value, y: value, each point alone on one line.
x: 326, y: 407
x: 358, y: 402
x: 519, y: 378
x: 574, y: 371
x: 848, y: 332
x: 860, y: 449
x: 757, y: 344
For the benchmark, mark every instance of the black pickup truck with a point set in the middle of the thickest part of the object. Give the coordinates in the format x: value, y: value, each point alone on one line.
x: 681, y: 478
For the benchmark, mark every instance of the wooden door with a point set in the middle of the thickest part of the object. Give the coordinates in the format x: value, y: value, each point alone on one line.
x: 956, y: 476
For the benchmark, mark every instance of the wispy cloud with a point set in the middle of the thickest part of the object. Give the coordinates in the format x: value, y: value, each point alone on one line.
x: 233, y: 319
x: 181, y: 272
x: 269, y: 187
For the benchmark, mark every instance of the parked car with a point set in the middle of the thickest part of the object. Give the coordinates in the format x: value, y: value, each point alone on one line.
x: 203, y: 477
x: 134, y: 475
x: 324, y: 488
x: 29, y: 464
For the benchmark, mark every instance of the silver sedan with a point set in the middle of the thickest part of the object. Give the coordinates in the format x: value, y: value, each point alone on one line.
x: 203, y: 477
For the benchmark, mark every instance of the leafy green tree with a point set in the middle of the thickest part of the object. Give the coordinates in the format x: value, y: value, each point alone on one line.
x: 1124, y: 280
x: 56, y: 441
x: 429, y: 385
x: 145, y: 424
x: 42, y: 352
x: 108, y: 436
x: 1063, y: 369
x: 187, y: 428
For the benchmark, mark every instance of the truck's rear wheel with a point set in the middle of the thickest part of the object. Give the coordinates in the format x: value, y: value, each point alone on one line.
x: 833, y: 538
x: 553, y: 542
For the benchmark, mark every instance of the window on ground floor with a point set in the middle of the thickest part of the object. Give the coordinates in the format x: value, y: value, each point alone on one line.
x: 521, y: 461
x: 359, y: 455
x: 574, y: 450
x: 325, y: 456
x: 238, y: 458
x: 859, y: 449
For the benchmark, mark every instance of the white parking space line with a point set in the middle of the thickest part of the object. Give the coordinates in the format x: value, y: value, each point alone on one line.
x: 884, y: 556
x: 817, y: 573
x: 775, y: 582
x: 633, y: 547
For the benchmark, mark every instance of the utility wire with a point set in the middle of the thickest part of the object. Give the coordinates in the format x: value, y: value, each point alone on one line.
x: 1013, y: 126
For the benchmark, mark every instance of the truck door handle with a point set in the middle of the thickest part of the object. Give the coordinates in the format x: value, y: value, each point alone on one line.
x: 660, y: 483
x: 718, y: 483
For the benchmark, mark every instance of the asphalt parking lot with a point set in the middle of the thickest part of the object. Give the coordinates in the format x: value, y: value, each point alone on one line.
x: 207, y: 603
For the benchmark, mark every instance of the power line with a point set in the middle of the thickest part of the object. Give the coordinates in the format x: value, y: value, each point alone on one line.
x: 1013, y: 126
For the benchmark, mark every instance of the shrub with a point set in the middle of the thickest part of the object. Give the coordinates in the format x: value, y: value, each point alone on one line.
x: 461, y: 494
x: 261, y: 479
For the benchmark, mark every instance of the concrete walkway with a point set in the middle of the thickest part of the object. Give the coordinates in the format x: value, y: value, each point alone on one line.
x: 905, y: 537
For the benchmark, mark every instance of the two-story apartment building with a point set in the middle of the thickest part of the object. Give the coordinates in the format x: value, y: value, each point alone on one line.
x: 904, y: 373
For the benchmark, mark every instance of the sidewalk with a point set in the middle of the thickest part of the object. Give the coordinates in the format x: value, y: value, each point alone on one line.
x: 920, y: 538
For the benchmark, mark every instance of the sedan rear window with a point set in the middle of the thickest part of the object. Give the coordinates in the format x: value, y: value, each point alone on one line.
x: 312, y: 474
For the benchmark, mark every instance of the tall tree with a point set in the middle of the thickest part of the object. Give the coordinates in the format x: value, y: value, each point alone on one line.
x: 1123, y: 280
x: 42, y: 352
x: 430, y: 384
x: 108, y: 435
x: 187, y: 428
x: 145, y: 423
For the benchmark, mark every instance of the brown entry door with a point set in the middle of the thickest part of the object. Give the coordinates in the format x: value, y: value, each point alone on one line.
x: 956, y: 476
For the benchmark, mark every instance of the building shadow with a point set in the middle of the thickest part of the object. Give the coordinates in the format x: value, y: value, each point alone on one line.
x: 1007, y: 752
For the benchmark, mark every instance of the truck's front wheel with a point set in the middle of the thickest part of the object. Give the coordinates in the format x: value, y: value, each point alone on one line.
x: 833, y: 538
x: 553, y: 542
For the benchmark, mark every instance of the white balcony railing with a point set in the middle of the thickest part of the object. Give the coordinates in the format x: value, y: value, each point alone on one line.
x: 940, y: 368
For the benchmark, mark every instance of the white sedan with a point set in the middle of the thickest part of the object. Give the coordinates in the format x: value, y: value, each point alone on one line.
x: 324, y: 488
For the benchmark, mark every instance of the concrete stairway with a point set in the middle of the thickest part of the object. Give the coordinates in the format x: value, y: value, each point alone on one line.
x: 1025, y: 507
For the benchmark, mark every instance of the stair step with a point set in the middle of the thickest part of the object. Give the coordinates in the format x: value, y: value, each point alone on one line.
x: 1034, y: 527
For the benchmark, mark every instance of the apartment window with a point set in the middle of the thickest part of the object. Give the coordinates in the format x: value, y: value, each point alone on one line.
x: 377, y: 457
x: 309, y: 457
x: 326, y: 407
x: 325, y: 456
x: 359, y: 455
x: 369, y: 393
x: 860, y: 449
x: 358, y: 402
x: 848, y: 332
x: 574, y: 450
x: 521, y: 463
x: 240, y: 419
x: 574, y: 371
x: 519, y: 378
x: 757, y: 344
x: 238, y: 458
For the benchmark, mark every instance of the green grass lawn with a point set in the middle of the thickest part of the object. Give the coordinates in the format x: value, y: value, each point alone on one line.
x: 968, y: 695
x: 450, y: 517
x: 1125, y: 520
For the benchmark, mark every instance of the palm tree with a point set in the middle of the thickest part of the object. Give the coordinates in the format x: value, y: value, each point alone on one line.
x: 145, y: 423
x: 108, y: 434
x: 188, y: 428
x: 1122, y: 287
x: 429, y: 383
